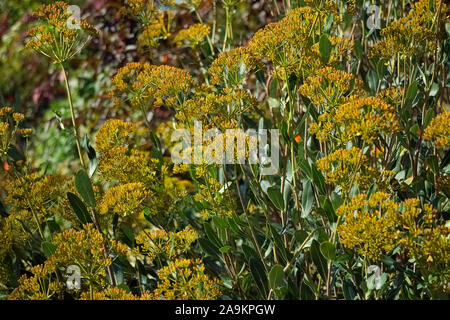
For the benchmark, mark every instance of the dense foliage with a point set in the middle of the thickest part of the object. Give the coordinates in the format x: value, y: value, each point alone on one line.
x: 358, y: 208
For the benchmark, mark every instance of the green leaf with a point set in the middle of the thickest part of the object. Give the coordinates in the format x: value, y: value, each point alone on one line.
x: 274, y: 103
x: 276, y: 197
x: 79, y: 208
x: 328, y: 250
x: 84, y: 187
x: 249, y: 252
x: 129, y: 235
x: 48, y: 248
x: 429, y: 115
x: 411, y: 93
x: 318, y: 179
x: 318, y: 259
x: 225, y: 249
x: 357, y: 47
x: 433, y: 163
x: 208, y: 247
x: 15, y: 154
x: 93, y: 161
x: 300, y: 236
x: 328, y: 23
x: 307, y: 198
x: 372, y: 81
x: 212, y: 235
x: 306, y: 293
x: 324, y: 48
x: 276, y: 277
x: 278, y: 243
x: 220, y: 222
x: 329, y: 210
x: 349, y: 290
x: 259, y: 275
x: 3, y: 211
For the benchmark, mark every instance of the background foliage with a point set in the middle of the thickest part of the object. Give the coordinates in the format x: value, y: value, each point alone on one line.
x: 364, y: 131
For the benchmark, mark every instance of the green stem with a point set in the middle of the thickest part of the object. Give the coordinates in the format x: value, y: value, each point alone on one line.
x: 72, y: 114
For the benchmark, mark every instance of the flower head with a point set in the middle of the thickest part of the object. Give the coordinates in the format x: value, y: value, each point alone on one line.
x: 58, y: 37
x: 193, y: 35
x: 439, y: 130
x: 185, y: 279
x: 124, y: 199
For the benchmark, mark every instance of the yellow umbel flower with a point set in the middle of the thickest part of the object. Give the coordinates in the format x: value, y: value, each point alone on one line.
x: 413, y: 34
x: 113, y: 294
x: 56, y: 38
x: 37, y: 287
x: 147, y: 86
x: 341, y: 166
x: 124, y: 199
x: 144, y: 11
x: 369, y: 225
x: 113, y: 133
x: 123, y: 165
x: 34, y: 198
x: 328, y: 87
x: 156, y: 31
x: 231, y: 67
x: 366, y: 118
x: 439, y: 130
x: 9, y: 127
x: 185, y: 279
x: 193, y: 35
x: 288, y: 43
x: 165, y: 245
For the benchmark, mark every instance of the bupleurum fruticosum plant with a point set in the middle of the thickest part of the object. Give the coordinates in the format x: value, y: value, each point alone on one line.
x: 358, y: 208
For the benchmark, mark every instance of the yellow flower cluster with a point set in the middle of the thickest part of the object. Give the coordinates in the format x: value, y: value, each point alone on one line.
x: 164, y: 202
x: 341, y: 166
x: 160, y: 244
x: 124, y: 199
x: 144, y: 11
x: 426, y: 242
x: 185, y: 279
x: 83, y: 248
x: 123, y: 165
x: 341, y: 50
x: 213, y: 201
x: 328, y: 87
x: 147, y: 86
x: 231, y: 67
x: 37, y: 287
x: 375, y: 226
x: 114, y: 133
x: 439, y: 130
x: 193, y: 35
x: 370, y: 225
x: 359, y: 117
x: 113, y: 294
x: 60, y: 37
x: 392, y: 96
x: 12, y: 237
x: 413, y: 34
x: 33, y: 198
x: 287, y: 43
x: 218, y: 111
x: 366, y: 117
x: 9, y: 126
x: 155, y: 31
